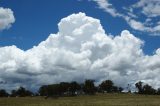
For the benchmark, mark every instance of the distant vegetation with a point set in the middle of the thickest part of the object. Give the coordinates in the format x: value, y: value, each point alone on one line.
x: 73, y: 88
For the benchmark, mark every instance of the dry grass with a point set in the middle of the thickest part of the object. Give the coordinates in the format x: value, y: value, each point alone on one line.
x: 97, y: 100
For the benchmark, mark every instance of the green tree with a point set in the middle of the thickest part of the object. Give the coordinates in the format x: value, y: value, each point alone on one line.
x: 158, y: 91
x: 89, y: 87
x: 43, y: 90
x: 21, y: 92
x: 64, y: 87
x: 107, y: 86
x: 74, y: 86
x: 54, y: 90
x: 147, y: 89
x: 13, y: 93
x: 139, y: 86
x: 3, y: 93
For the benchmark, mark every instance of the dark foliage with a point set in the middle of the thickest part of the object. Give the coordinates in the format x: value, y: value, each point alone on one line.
x: 109, y: 87
x: 3, y: 93
x: 139, y: 86
x: 145, y: 89
x: 89, y: 87
x: 62, y: 89
x: 74, y: 88
x: 21, y: 92
x: 158, y: 91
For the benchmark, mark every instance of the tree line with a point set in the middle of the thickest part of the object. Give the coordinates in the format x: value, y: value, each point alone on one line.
x: 74, y: 88
x: 146, y: 89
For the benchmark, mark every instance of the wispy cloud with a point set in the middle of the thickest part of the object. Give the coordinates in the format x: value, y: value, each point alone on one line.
x: 149, y: 8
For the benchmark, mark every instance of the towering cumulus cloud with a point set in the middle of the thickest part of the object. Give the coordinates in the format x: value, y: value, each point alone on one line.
x: 80, y: 50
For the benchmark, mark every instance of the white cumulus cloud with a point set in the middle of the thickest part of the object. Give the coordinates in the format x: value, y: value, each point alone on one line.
x: 80, y: 50
x: 6, y: 18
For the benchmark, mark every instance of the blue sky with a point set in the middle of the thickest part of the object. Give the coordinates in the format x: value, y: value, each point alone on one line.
x: 36, y: 19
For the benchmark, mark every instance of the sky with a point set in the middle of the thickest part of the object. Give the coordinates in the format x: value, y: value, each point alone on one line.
x: 48, y: 41
x: 35, y: 20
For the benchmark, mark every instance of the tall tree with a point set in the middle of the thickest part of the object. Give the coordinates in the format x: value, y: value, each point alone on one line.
x: 107, y: 86
x: 21, y: 92
x: 43, y: 90
x: 158, y: 91
x: 3, y: 93
x: 139, y: 86
x: 64, y: 87
x: 147, y: 89
x: 74, y: 86
x: 13, y: 93
x: 89, y: 87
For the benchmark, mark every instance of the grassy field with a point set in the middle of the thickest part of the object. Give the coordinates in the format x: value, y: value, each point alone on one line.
x: 97, y: 100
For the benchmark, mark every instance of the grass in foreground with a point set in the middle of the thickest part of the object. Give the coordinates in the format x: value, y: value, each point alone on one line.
x: 97, y: 100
